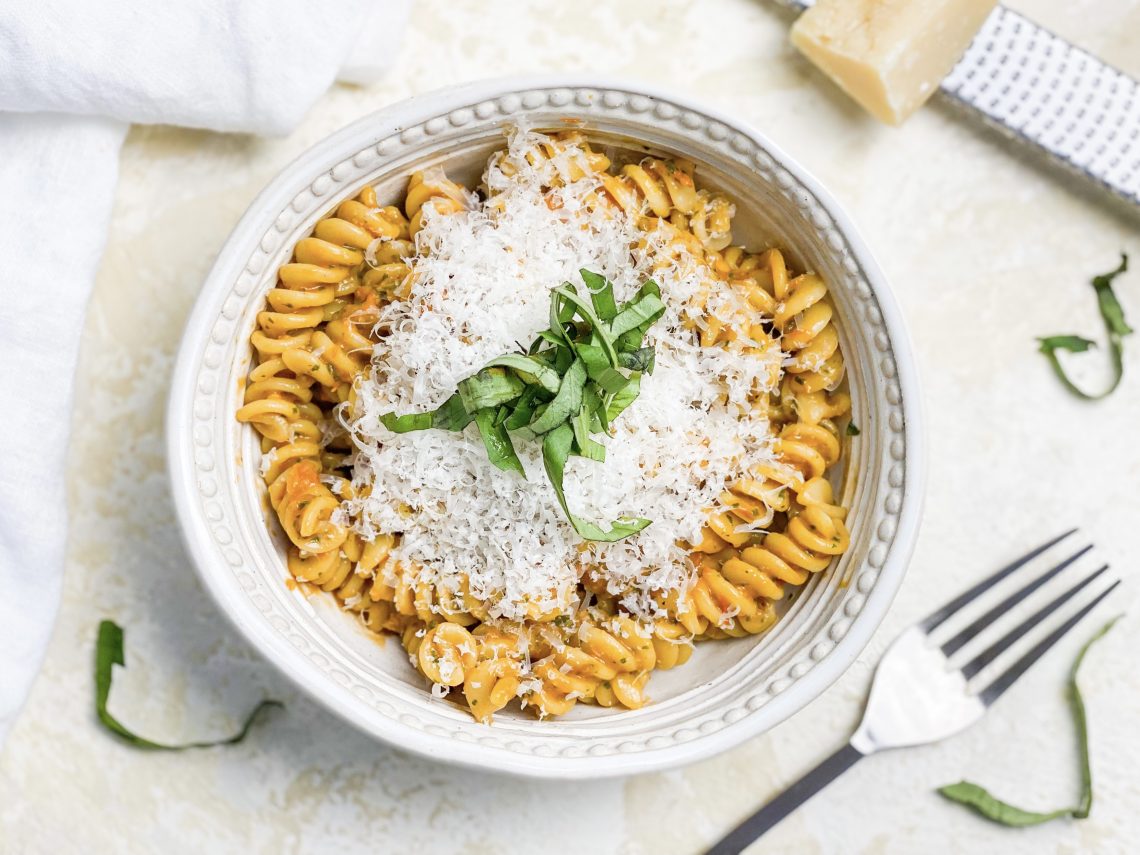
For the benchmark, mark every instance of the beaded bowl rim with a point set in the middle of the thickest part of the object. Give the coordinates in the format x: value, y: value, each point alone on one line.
x: 207, y: 511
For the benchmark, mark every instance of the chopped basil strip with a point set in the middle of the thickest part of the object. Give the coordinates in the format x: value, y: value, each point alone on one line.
x: 570, y: 296
x: 489, y: 388
x: 992, y: 808
x: 109, y: 653
x: 853, y: 429
x: 641, y: 359
x: 645, y: 311
x: 601, y: 294
x: 450, y: 415
x: 566, y: 402
x: 499, y: 449
x: 529, y: 370
x: 1117, y: 328
x: 523, y: 410
x: 599, y: 369
x: 555, y: 450
x: 618, y: 403
x: 569, y: 384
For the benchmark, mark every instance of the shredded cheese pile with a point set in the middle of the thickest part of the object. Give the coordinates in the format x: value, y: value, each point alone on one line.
x: 480, y: 287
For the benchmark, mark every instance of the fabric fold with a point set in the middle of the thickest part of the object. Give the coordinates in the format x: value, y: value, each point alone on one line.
x: 76, y: 74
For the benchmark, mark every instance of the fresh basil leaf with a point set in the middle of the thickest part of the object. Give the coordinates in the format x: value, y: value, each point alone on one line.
x: 1112, y: 313
x: 550, y: 338
x: 500, y: 451
x: 995, y: 809
x: 1110, y: 308
x: 489, y: 387
x: 641, y: 359
x: 555, y: 451
x: 1072, y: 343
x: 647, y: 287
x: 450, y: 415
x: 571, y: 297
x: 581, y: 425
x: 563, y: 358
x: 529, y: 370
x: 523, y: 410
x: 601, y: 294
x: 566, y: 311
x: 406, y: 423
x: 565, y: 403
x: 109, y: 653
x: 992, y: 808
x: 617, y: 404
x: 599, y: 370
x: 592, y: 399
x: 592, y: 450
x: 645, y: 310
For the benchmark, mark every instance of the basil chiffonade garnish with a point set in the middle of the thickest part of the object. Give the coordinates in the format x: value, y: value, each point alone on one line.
x: 1114, y: 323
x: 576, y: 377
x: 993, y: 808
x: 108, y: 653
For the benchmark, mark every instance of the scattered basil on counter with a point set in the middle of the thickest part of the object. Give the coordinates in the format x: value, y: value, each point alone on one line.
x: 108, y: 653
x: 1114, y: 323
x: 983, y: 802
x: 573, y: 381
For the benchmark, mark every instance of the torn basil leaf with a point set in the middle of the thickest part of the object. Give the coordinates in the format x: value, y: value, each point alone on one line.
x: 450, y: 415
x: 645, y: 311
x: 605, y: 340
x: 500, y: 451
x: 1112, y: 313
x: 601, y: 294
x: 530, y: 370
x: 490, y: 387
x: 108, y: 654
x: 566, y: 402
x: 641, y: 359
x: 618, y: 403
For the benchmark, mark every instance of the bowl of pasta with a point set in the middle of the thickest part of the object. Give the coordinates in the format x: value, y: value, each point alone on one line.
x: 550, y: 426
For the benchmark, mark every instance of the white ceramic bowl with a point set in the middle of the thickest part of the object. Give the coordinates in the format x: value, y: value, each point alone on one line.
x: 730, y: 690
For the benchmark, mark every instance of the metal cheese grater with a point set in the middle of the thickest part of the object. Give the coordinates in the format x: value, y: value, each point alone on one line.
x: 1034, y: 87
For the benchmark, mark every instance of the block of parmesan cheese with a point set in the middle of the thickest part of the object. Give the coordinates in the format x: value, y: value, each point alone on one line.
x: 889, y: 55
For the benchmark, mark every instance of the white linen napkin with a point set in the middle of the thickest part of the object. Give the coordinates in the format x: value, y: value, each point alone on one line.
x: 73, y: 75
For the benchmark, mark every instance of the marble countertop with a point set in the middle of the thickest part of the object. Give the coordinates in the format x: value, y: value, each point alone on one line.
x: 985, y: 250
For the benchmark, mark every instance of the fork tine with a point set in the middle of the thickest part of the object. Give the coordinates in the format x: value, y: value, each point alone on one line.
x: 970, y: 632
x: 997, y: 688
x: 975, y: 665
x: 935, y: 619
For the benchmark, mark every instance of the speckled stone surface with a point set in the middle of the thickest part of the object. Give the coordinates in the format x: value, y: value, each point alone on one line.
x: 985, y: 250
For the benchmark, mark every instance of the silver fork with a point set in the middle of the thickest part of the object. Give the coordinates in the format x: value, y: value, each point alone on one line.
x: 919, y: 695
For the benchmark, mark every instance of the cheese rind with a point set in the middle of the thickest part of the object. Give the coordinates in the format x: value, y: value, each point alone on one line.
x: 889, y: 55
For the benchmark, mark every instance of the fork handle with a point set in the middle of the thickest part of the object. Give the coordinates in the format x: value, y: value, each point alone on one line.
x: 760, y: 822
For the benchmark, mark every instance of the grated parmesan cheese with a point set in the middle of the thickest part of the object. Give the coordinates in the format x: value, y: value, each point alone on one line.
x: 480, y: 286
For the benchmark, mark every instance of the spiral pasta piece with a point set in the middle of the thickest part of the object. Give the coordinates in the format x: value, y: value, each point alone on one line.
x: 495, y: 679
x: 666, y: 191
x: 803, y: 317
x: 567, y: 153
x: 432, y: 188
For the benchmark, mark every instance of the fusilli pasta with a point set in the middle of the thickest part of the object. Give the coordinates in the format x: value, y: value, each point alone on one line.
x: 774, y: 525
